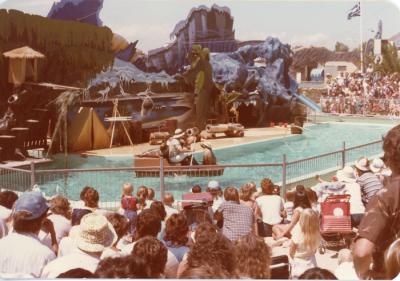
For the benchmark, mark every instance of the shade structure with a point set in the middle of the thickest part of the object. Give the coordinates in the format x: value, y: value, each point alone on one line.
x: 22, y: 64
x: 87, y: 132
x: 24, y: 53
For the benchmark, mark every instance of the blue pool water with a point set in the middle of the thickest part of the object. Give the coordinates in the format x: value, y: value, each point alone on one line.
x: 316, y: 140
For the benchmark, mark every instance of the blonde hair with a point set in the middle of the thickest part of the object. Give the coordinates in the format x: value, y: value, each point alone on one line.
x: 127, y: 188
x: 392, y: 260
x: 309, y: 225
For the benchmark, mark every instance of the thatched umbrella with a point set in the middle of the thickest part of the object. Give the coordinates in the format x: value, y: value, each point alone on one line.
x: 17, y: 65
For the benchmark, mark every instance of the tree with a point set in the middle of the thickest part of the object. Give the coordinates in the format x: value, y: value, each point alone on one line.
x: 390, y: 61
x: 341, y: 47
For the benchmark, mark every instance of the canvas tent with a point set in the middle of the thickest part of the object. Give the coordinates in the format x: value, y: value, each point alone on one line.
x: 22, y: 65
x: 87, y: 132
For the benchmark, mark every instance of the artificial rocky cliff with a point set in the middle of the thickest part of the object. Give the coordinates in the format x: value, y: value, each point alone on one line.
x: 77, y: 10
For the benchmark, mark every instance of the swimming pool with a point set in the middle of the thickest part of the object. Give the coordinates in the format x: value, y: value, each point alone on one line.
x: 316, y: 140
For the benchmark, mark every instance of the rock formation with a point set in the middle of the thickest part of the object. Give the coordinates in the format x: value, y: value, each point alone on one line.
x: 77, y: 10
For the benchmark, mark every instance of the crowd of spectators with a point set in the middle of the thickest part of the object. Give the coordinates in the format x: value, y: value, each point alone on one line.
x: 224, y: 233
x: 370, y: 94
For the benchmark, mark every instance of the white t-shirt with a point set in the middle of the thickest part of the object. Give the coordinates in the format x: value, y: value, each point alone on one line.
x: 271, y: 207
x: 356, y: 204
x: 4, y: 213
x: 76, y: 259
x: 301, y: 251
x: 23, y: 254
x: 170, y: 211
x: 62, y: 226
x: 346, y: 271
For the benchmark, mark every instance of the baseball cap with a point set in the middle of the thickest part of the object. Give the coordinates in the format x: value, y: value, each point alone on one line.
x: 32, y: 202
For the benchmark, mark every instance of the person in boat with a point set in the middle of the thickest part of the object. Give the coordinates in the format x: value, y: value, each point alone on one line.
x: 177, y: 154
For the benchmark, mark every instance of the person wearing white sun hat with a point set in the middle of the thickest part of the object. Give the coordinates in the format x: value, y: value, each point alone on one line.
x: 177, y: 154
x: 378, y: 167
x: 368, y: 181
x: 94, y: 235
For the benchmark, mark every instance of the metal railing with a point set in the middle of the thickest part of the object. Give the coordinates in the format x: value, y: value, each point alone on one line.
x: 179, y: 179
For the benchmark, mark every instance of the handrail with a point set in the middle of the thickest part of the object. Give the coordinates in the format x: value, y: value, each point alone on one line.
x: 14, y: 169
x: 199, y: 167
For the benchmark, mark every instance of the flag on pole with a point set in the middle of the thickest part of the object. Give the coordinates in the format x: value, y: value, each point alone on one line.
x: 355, y: 11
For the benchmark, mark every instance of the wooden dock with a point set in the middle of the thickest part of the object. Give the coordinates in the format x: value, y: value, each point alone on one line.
x: 24, y: 164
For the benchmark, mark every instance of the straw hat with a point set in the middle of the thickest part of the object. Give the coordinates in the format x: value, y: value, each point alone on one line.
x: 95, y: 233
x: 178, y: 134
x: 346, y: 174
x: 362, y: 164
x: 377, y: 165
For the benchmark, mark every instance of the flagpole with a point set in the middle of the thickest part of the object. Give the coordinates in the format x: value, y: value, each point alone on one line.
x: 361, y: 41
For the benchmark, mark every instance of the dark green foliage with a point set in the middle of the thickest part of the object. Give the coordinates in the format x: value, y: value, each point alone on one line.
x: 200, y: 74
x: 75, y: 52
x: 390, y: 61
x: 341, y: 47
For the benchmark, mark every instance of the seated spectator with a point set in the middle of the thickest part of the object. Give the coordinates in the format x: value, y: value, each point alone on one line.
x: 214, y: 250
x: 253, y: 257
x: 77, y: 273
x: 168, y: 205
x: 301, y: 203
x: 7, y: 200
x: 123, y: 267
x: 91, y: 201
x: 81, y: 203
x: 150, y: 197
x: 21, y: 251
x: 214, y: 188
x: 196, y: 189
x: 121, y: 225
x: 155, y: 255
x: 345, y: 269
x: 141, y: 196
x: 159, y: 208
x: 270, y: 208
x: 176, y: 235
x: 304, y: 243
x: 246, y: 196
x: 378, y: 167
x: 205, y: 272
x: 381, y: 223
x: 60, y: 216
x: 148, y: 223
x: 392, y: 261
x: 129, y: 206
x: 357, y: 209
x: 317, y: 273
x: 67, y: 244
x: 369, y: 182
x: 238, y: 220
x: 196, y: 217
x: 94, y: 235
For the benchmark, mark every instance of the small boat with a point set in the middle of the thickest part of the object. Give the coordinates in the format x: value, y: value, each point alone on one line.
x: 147, y: 166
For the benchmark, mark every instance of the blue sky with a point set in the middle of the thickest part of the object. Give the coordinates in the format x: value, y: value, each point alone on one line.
x: 317, y: 23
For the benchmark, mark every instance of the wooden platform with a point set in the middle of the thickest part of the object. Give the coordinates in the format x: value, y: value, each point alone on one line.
x: 24, y: 164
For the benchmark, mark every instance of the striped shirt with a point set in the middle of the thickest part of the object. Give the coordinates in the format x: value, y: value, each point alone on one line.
x: 238, y: 219
x: 370, y: 185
